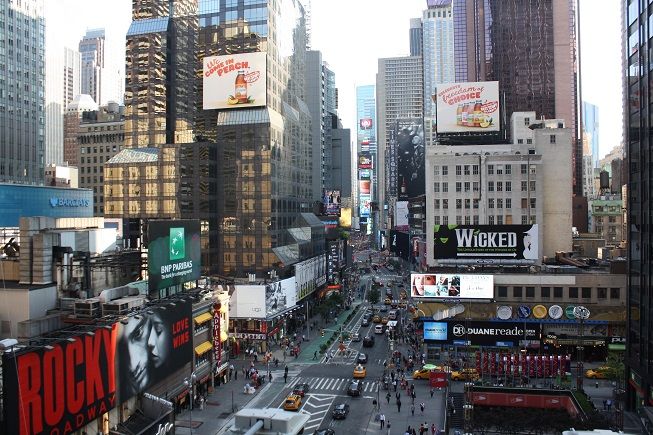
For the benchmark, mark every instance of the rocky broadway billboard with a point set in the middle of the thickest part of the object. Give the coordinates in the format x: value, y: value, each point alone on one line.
x: 234, y: 81
x: 486, y: 242
x: 61, y: 387
x: 173, y: 254
x: 481, y: 333
x: 451, y: 286
x: 410, y: 152
x: 467, y: 107
x: 279, y: 296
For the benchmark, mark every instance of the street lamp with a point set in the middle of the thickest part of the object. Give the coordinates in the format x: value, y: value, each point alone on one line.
x: 189, y: 382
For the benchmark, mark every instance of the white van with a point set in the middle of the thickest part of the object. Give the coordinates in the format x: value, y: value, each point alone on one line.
x: 392, y: 315
x: 378, y: 329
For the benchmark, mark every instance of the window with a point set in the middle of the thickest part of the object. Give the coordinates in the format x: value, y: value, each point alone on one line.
x: 524, y: 203
x: 490, y: 203
x: 467, y: 186
x: 527, y: 121
x: 467, y: 203
x: 459, y: 170
x: 517, y: 292
x: 615, y: 292
x: 490, y: 219
x: 474, y: 169
x: 508, y: 202
x: 436, y: 170
x: 573, y: 292
x: 445, y: 204
x: 533, y: 170
x: 602, y: 293
x: 529, y: 141
x: 476, y: 220
x: 530, y: 292
x: 475, y: 186
x: 532, y: 186
x: 466, y: 169
x: 546, y: 292
x: 436, y: 220
x: 552, y: 138
x: 520, y: 140
x: 445, y: 220
x: 467, y: 220
x: 508, y: 169
x: 524, y: 186
x: 532, y: 202
x: 508, y: 186
x: 445, y: 170
x: 557, y: 292
x: 499, y: 202
x: 490, y: 186
x: 500, y: 220
x: 459, y: 204
x: 436, y: 187
x: 490, y: 169
x: 445, y: 187
x: 459, y: 186
x: 459, y: 220
x: 499, y: 186
x: 499, y: 169
x: 524, y: 169
x: 476, y: 202
x: 503, y: 291
x: 587, y: 292
x: 436, y: 204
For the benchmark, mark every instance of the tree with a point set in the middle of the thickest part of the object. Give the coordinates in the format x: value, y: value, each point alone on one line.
x: 373, y: 296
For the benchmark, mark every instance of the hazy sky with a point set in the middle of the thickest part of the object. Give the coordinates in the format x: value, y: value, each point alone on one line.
x: 353, y: 34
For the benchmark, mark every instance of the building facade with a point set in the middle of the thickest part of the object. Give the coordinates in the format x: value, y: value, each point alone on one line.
x: 22, y: 89
x: 607, y: 218
x: 415, y: 37
x: 91, y: 49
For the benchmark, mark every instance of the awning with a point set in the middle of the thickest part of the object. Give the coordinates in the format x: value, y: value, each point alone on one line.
x: 617, y: 346
x: 203, y: 348
x: 203, y: 318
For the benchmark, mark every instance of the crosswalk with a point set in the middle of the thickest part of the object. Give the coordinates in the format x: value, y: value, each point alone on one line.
x: 332, y: 385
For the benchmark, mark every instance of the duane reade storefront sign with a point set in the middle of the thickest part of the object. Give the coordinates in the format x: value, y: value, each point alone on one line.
x: 503, y: 334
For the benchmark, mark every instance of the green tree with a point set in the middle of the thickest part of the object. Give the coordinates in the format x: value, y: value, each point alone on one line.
x: 616, y: 368
x: 374, y: 296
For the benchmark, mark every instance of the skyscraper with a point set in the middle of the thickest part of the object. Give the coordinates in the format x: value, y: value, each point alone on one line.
x: 494, y: 40
x: 366, y: 140
x: 91, y: 48
x: 22, y: 89
x: 639, y: 335
x: 438, y: 57
x: 415, y: 37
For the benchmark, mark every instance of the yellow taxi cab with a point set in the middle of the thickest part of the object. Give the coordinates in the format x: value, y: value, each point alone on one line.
x: 465, y: 375
x: 384, y: 320
x: 360, y: 371
x: 421, y: 374
x: 597, y: 373
x: 293, y: 402
x: 376, y: 318
x: 387, y: 301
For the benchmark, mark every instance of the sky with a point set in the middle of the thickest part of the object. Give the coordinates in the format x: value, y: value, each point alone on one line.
x: 352, y: 42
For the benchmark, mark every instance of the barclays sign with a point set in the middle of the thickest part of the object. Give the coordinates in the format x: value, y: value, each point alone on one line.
x: 68, y: 202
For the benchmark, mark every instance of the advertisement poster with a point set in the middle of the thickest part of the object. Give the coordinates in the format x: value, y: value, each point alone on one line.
x: 468, y: 107
x: 331, y: 202
x: 364, y: 160
x: 400, y: 244
x: 279, y: 296
x: 310, y: 275
x: 235, y: 81
x: 365, y: 123
x: 333, y: 259
x: 63, y: 388
x: 365, y: 187
x: 173, y: 254
x: 410, y: 152
x: 401, y: 216
x: 509, y: 242
x: 247, y: 301
x: 451, y: 286
x: 364, y: 174
x: 365, y: 205
x: 481, y: 333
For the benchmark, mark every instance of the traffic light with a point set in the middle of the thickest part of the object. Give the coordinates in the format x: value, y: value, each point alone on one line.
x: 322, y: 332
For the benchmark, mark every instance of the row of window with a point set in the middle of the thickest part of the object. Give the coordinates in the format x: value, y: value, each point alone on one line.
x: 493, y: 169
x: 491, y: 220
x: 107, y: 149
x: 558, y: 292
x: 473, y: 186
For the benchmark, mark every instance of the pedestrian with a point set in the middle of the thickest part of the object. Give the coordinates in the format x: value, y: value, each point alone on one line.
x: 270, y: 376
x: 246, y: 373
x: 314, y: 355
x: 432, y: 391
x: 382, y: 420
x: 421, y: 407
x: 412, y: 410
x: 394, y: 384
x: 597, y: 384
x: 433, y: 429
x: 397, y: 395
x: 609, y: 403
x: 605, y: 405
x: 387, y: 397
x: 398, y: 405
x: 388, y: 425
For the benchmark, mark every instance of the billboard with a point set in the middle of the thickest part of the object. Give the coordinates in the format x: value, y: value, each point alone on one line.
x: 481, y: 333
x: 401, y: 216
x: 364, y: 174
x: 247, y: 301
x: 365, y: 205
x: 173, y: 254
x: 365, y: 187
x: 409, y: 138
x: 234, y: 81
x: 400, y: 244
x: 365, y: 123
x: 331, y: 201
x: 345, y: 217
x: 451, y: 286
x: 334, y: 255
x: 62, y: 388
x: 279, y: 296
x: 364, y: 160
x: 310, y: 275
x: 467, y: 107
x: 486, y: 242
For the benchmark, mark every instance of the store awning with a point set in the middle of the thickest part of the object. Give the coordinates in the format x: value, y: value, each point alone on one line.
x: 617, y: 346
x: 203, y: 348
x: 203, y: 318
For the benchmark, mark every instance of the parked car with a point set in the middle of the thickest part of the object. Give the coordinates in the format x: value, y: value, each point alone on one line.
x: 361, y: 359
x: 301, y: 389
x: 292, y: 403
x: 368, y: 341
x: 355, y: 388
x: 340, y: 411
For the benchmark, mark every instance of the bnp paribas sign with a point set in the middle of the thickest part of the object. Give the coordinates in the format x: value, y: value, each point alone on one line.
x: 173, y: 254
x: 485, y: 242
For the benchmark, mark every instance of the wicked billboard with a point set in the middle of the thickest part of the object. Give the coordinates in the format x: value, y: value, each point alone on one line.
x: 174, y: 254
x: 485, y: 242
x: 62, y: 386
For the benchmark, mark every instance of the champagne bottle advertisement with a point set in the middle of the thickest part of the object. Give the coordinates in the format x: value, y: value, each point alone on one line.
x: 467, y: 107
x: 234, y: 81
